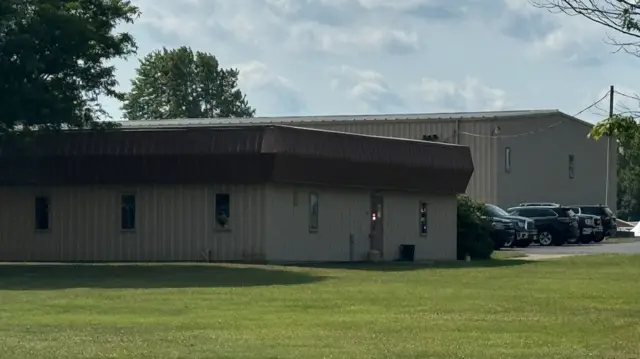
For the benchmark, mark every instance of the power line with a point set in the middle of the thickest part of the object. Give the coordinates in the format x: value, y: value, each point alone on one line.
x: 539, y: 129
x: 627, y: 96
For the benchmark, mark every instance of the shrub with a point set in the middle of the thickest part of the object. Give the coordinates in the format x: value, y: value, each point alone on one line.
x: 473, y: 230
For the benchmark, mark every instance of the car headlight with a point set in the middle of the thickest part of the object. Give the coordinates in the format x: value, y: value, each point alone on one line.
x: 522, y: 224
x: 589, y: 221
x: 527, y: 225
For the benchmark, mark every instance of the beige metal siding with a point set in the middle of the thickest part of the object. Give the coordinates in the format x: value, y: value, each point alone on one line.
x: 174, y: 223
x: 483, y: 182
x: 483, y: 185
x: 402, y: 226
x: 345, y: 214
x: 540, y: 163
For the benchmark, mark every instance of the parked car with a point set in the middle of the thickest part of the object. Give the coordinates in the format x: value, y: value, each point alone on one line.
x: 502, y: 231
x: 591, y: 229
x: 538, y: 204
x: 525, y: 228
x: 556, y: 225
x: 607, y: 217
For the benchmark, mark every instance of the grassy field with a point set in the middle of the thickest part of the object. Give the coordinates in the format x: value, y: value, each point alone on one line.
x: 582, y: 307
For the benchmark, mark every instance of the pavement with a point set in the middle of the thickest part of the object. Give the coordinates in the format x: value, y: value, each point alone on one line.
x: 536, y: 251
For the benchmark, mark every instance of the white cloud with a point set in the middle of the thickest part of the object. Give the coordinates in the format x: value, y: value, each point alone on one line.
x: 470, y: 95
x: 366, y: 87
x: 341, y: 40
x: 268, y: 88
x: 291, y: 53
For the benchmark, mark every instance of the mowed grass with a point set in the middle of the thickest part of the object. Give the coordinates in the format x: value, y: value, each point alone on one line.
x: 580, y: 307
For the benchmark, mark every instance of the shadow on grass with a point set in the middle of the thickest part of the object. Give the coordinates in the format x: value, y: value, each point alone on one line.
x: 141, y: 276
x: 409, y: 266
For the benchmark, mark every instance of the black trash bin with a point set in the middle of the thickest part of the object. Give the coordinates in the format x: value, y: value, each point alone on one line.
x: 407, y: 252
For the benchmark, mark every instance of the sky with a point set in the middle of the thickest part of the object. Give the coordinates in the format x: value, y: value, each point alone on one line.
x: 342, y: 57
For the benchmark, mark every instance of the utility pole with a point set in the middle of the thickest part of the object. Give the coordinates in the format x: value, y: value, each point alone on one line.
x: 606, y: 186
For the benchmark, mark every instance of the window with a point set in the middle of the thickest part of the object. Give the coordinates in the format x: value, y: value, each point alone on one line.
x: 423, y: 218
x: 571, y: 166
x: 313, y: 212
x: 42, y: 214
x: 223, y: 210
x: 128, y: 212
x: 495, y: 211
x: 507, y: 159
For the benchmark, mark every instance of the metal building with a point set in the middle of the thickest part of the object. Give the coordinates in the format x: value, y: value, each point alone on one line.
x: 230, y: 193
x: 537, y: 155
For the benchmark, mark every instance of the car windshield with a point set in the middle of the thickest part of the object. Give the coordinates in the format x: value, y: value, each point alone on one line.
x: 495, y: 211
x: 596, y: 211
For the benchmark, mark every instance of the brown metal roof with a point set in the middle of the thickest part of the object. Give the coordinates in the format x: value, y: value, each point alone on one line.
x: 242, y: 154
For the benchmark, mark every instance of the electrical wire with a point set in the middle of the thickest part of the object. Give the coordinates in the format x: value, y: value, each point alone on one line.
x: 627, y: 96
x: 540, y: 129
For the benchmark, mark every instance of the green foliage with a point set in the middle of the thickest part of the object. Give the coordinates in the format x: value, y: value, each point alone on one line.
x: 627, y: 133
x: 52, y: 61
x: 473, y: 230
x: 179, y: 83
x: 624, y: 128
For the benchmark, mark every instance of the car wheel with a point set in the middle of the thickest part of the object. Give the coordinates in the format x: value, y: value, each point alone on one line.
x: 545, y: 238
x: 523, y: 244
x: 586, y: 239
x: 509, y: 243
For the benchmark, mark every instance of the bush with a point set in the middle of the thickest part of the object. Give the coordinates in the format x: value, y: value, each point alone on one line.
x: 473, y: 230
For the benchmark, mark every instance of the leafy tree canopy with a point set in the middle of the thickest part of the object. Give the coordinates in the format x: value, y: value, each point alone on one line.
x: 181, y: 83
x: 52, y: 61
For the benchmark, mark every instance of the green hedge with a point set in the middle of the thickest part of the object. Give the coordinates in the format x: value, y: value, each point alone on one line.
x: 473, y: 230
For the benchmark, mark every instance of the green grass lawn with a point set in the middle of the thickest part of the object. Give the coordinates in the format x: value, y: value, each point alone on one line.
x: 580, y: 307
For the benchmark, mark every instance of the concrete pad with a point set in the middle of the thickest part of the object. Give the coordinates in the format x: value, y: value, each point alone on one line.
x: 542, y: 257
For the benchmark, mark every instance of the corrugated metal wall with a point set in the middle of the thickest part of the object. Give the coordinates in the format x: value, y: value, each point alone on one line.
x: 540, y: 163
x: 347, y: 212
x: 483, y: 184
x: 172, y: 223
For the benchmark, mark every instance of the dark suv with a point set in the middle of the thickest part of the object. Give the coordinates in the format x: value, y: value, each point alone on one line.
x: 556, y: 225
x: 591, y: 229
x: 525, y: 229
x: 502, y: 231
x: 609, y: 226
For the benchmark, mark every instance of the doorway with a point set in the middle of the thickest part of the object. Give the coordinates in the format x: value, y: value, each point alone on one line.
x: 377, y: 227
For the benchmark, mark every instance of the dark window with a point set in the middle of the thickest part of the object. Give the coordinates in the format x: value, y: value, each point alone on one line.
x: 571, y: 166
x: 595, y: 211
x: 548, y: 213
x: 423, y: 218
x: 223, y: 210
x: 128, y: 212
x: 563, y: 212
x: 314, y: 218
x: 495, y: 211
x: 507, y: 159
x: 42, y: 214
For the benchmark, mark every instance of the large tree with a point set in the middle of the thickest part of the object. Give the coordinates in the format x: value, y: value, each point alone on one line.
x: 52, y: 61
x: 181, y: 83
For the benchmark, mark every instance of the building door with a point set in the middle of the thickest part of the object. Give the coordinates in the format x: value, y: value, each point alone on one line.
x: 377, y: 228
